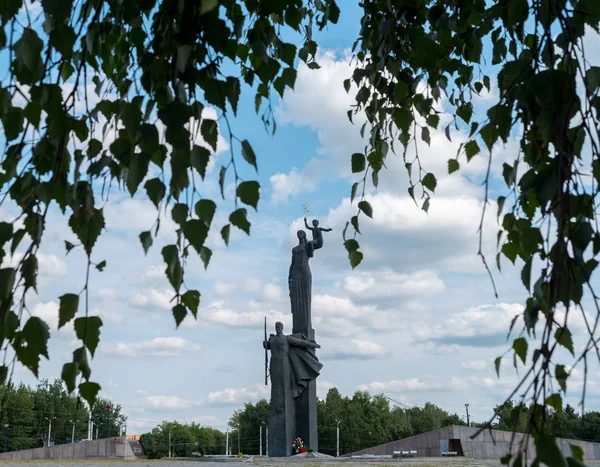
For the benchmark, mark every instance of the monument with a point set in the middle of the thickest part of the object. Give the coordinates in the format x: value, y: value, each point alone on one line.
x: 294, y: 366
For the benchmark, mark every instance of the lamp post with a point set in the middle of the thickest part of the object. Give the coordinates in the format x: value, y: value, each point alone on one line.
x: 337, y: 439
x: 170, y: 441
x: 260, y: 438
x: 227, y: 442
x: 49, y: 428
x: 5, y: 435
x: 107, y: 421
x: 468, y: 420
x: 267, y: 441
x: 73, y: 432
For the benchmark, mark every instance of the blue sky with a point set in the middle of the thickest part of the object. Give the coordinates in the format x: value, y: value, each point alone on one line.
x: 417, y: 320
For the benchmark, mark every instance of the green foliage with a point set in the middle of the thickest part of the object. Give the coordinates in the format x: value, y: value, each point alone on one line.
x: 185, y: 439
x: 365, y: 421
x: 415, y: 57
x: 155, y: 67
x: 26, y: 410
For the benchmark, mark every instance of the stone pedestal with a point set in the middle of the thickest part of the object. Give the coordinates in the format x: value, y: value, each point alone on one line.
x: 306, y: 407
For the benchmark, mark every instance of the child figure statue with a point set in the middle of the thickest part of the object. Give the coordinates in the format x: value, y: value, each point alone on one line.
x: 317, y: 233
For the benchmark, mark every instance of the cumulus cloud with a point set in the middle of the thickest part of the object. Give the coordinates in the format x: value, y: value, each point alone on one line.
x: 153, y: 298
x: 157, y: 347
x: 477, y: 365
x: 233, y: 397
x: 48, y: 312
x: 384, y: 284
x: 168, y: 402
x: 481, y: 326
x: 223, y: 289
x: 218, y: 313
x: 358, y: 349
x: 436, y: 384
x: 50, y: 266
x: 289, y: 185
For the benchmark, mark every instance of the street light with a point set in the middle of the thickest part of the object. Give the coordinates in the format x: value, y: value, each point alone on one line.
x: 170, y: 441
x: 73, y: 432
x: 49, y: 428
x: 261, y: 425
x: 468, y: 420
x: 5, y: 435
x: 337, y: 450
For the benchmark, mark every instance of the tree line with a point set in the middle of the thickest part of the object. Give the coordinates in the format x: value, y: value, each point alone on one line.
x: 185, y: 439
x: 367, y: 420
x: 28, y: 412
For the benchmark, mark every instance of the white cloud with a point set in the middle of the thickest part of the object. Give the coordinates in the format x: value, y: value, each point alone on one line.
x: 473, y: 326
x: 358, y: 349
x: 289, y: 185
x: 217, y: 313
x: 232, y: 396
x: 387, y: 283
x: 153, y: 298
x: 48, y: 312
x: 50, y: 266
x: 157, y: 347
x: 477, y: 365
x: 323, y: 387
x: 221, y: 288
x: 272, y: 292
x: 168, y: 402
x: 452, y: 383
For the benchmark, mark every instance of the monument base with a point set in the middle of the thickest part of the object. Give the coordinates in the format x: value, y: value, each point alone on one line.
x: 306, y: 407
x: 313, y: 454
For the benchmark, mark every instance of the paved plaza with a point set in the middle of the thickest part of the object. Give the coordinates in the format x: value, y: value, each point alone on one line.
x: 419, y: 462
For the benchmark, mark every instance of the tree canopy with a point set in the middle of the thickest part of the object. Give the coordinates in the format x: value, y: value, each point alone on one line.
x: 29, y: 410
x: 104, y: 95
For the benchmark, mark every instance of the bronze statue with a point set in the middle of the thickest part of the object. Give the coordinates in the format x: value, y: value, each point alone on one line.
x: 293, y: 364
x: 300, y: 283
x: 317, y: 233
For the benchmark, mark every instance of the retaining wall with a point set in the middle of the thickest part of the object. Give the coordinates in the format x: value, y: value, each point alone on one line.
x: 486, y: 445
x: 110, y: 448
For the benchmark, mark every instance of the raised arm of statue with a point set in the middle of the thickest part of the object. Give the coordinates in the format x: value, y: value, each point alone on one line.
x: 302, y: 343
x: 306, y: 224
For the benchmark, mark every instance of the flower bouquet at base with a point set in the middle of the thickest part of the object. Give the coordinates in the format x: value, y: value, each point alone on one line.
x: 299, y: 446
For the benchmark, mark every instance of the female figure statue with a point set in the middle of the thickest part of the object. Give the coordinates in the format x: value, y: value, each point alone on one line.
x: 300, y: 284
x: 293, y: 364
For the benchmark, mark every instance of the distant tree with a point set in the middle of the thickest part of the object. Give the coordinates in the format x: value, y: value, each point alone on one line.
x: 53, y: 402
x: 248, y: 421
x: 185, y: 439
x: 565, y: 423
x: 428, y: 418
x: 149, y: 445
x: 452, y: 419
x: 108, y: 412
x: 365, y: 420
x: 20, y: 417
x: 512, y: 416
